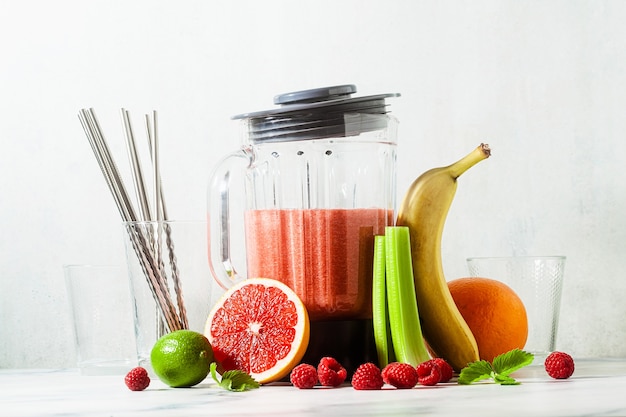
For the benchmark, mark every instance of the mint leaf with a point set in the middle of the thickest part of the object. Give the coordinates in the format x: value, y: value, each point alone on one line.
x: 213, y: 369
x: 475, y: 371
x: 503, y: 365
x: 511, y: 361
x: 504, y: 380
x: 238, y: 381
x: 234, y: 380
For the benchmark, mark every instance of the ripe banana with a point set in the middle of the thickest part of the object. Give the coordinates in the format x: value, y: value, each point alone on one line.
x: 424, y: 210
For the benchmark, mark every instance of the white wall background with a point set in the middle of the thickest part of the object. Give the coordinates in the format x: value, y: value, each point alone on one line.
x: 543, y: 82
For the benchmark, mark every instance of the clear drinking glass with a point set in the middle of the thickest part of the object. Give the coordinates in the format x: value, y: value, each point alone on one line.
x: 538, y: 281
x: 178, y: 249
x: 102, y: 318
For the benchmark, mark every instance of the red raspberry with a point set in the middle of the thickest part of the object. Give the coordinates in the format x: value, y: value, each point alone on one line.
x: 303, y: 376
x: 428, y: 373
x: 445, y: 368
x: 559, y: 365
x: 400, y: 375
x: 330, y: 372
x: 367, y: 377
x: 137, y: 379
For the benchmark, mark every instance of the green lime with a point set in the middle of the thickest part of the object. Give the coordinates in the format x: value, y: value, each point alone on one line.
x: 182, y: 358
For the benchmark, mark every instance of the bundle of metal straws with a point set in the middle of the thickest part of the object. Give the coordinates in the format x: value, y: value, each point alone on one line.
x: 145, y: 226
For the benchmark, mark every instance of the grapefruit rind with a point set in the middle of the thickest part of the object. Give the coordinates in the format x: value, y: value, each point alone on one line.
x: 240, y: 328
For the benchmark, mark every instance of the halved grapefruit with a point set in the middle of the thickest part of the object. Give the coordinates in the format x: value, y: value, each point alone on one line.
x: 259, y: 326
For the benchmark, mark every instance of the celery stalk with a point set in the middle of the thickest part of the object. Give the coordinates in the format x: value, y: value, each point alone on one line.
x: 379, y: 302
x: 406, y: 332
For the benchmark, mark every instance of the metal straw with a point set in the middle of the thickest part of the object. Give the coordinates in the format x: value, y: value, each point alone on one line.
x: 140, y: 187
x: 161, y: 211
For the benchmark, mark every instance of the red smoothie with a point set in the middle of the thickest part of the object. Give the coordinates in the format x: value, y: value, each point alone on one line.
x: 324, y: 255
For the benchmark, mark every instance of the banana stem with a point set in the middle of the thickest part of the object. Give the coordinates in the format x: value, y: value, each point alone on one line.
x: 478, y: 154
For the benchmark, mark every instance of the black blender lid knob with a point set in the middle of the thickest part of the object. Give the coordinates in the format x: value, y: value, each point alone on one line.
x: 316, y: 95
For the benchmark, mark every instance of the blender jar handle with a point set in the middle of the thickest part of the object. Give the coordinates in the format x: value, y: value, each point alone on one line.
x: 220, y: 259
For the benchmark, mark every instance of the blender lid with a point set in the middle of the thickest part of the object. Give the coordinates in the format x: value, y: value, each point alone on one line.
x: 317, y: 98
x: 318, y: 113
x: 316, y: 94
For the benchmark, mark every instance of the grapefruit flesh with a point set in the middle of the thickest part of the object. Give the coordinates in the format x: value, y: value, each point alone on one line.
x: 259, y: 326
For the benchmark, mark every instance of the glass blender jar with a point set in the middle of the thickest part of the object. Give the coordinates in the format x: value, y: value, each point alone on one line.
x: 319, y: 182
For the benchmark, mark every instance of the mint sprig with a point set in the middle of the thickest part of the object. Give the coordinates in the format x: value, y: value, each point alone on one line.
x: 503, y: 365
x: 235, y: 380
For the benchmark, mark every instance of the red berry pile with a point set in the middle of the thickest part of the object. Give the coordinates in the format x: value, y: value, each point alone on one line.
x: 329, y: 373
x: 368, y: 376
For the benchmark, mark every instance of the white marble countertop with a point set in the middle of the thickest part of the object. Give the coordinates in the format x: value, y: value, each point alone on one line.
x: 597, y: 388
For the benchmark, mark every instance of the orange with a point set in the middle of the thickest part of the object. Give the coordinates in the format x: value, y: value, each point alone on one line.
x: 259, y: 326
x: 494, y: 313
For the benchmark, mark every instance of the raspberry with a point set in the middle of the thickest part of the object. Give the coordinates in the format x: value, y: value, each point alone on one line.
x: 559, y: 365
x: 400, y: 375
x: 367, y: 377
x: 330, y: 372
x: 428, y: 373
x: 445, y: 368
x: 137, y: 379
x: 303, y: 376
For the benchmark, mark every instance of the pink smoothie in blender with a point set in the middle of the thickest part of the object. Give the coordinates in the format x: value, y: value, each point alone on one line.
x: 324, y: 255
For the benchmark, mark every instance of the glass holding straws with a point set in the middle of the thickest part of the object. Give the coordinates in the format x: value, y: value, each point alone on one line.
x: 152, y: 239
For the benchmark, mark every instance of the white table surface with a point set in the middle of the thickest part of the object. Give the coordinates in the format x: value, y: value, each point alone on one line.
x: 597, y: 388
